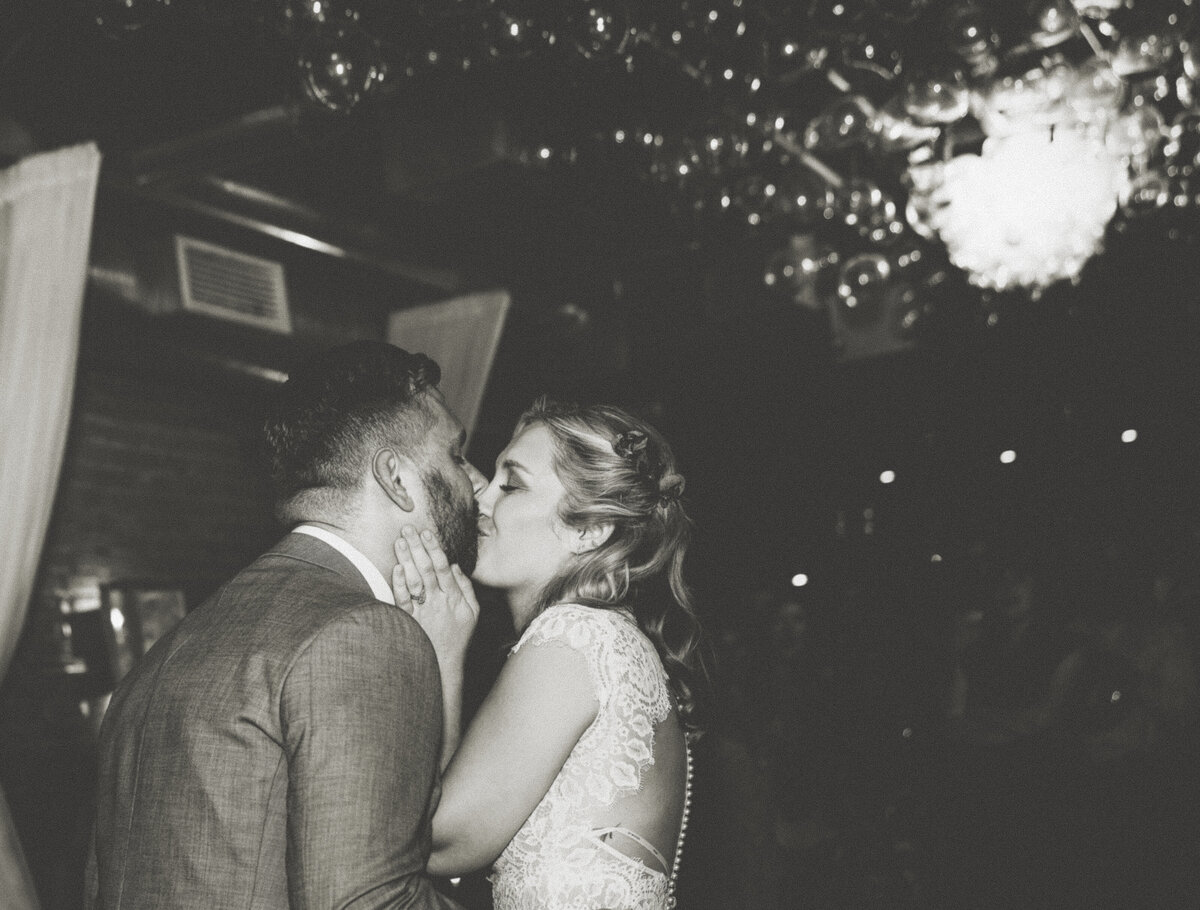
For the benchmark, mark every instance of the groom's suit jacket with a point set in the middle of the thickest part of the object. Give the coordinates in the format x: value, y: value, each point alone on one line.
x: 278, y: 749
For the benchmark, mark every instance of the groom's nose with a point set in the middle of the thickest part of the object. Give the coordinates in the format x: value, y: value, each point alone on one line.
x: 485, y: 499
x: 478, y: 481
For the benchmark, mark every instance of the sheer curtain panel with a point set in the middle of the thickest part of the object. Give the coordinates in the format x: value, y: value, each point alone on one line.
x: 462, y: 335
x: 46, y: 205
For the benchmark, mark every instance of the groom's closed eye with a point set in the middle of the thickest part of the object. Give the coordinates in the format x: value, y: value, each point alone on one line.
x: 458, y: 448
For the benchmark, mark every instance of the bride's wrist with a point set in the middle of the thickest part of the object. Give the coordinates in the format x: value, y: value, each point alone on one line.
x: 452, y: 665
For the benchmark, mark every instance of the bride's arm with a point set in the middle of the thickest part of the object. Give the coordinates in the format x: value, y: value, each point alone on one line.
x: 523, y: 732
x: 515, y: 746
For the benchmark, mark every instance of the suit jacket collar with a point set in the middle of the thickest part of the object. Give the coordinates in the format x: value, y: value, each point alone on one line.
x: 314, y: 551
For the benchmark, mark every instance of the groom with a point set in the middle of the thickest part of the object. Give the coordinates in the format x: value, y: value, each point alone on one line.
x: 279, y: 749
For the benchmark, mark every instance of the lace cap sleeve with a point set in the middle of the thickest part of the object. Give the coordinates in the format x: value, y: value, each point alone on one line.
x: 588, y: 630
x: 618, y: 655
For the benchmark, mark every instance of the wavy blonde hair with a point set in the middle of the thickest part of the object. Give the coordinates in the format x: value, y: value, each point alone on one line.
x: 617, y: 469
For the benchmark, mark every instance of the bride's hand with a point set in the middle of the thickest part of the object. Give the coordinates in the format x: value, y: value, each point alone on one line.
x: 438, y: 595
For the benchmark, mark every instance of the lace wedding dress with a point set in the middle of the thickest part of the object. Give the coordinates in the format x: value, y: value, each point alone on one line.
x: 559, y: 860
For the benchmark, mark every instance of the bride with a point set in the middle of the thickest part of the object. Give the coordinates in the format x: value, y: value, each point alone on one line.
x: 574, y: 776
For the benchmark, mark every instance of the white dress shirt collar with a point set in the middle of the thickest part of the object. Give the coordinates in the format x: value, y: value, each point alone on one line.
x: 379, y: 585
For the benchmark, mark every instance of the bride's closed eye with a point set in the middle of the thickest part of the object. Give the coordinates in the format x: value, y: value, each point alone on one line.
x: 511, y: 472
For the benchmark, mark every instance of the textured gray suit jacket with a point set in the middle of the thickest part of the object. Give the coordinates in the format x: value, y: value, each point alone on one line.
x: 278, y: 749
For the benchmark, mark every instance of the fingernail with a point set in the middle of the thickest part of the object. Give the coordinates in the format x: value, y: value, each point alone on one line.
x: 427, y: 534
x: 402, y: 543
x: 409, y: 530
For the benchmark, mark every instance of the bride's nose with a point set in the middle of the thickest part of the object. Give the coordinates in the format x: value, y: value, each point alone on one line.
x: 486, y: 497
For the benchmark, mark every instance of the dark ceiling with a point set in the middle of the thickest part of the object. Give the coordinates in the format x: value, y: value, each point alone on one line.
x: 204, y: 102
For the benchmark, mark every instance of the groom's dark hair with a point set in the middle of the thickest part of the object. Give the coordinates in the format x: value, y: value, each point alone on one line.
x: 336, y: 409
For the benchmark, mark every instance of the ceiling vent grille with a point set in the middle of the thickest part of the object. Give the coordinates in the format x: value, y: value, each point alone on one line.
x: 221, y: 282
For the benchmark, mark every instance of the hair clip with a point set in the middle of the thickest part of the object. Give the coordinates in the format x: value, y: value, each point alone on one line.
x: 630, y: 444
x: 670, y: 488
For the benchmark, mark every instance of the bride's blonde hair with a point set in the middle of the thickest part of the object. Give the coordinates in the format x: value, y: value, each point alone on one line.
x: 617, y: 469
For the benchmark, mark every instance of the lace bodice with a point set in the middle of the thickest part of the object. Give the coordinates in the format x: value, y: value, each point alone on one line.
x: 558, y: 860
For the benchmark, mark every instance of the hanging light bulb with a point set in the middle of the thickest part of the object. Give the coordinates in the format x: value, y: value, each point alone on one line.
x: 789, y: 59
x: 937, y: 97
x: 845, y: 122
x: 753, y: 195
x: 971, y: 36
x: 804, y: 197
x: 675, y: 162
x: 598, y: 29
x: 836, y: 15
x: 1097, y: 9
x: 793, y: 272
x: 545, y: 154
x: 1054, y: 21
x: 321, y: 12
x: 871, y: 53
x: 1148, y: 193
x: 1142, y: 53
x: 1181, y: 151
x: 907, y: 316
x: 723, y: 148
x: 515, y: 30
x: 340, y: 66
x: 862, y: 283
x: 869, y: 210
x: 1133, y: 135
x: 1095, y: 98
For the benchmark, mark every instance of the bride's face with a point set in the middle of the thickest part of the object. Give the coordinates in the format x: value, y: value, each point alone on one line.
x: 522, y: 541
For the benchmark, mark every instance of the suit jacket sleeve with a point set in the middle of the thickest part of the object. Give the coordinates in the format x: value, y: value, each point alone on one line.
x: 361, y: 720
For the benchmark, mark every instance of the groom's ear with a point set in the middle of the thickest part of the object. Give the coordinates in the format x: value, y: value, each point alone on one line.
x: 389, y: 467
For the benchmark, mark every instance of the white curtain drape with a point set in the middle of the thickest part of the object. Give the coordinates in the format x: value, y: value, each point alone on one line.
x: 46, y: 206
x: 462, y: 335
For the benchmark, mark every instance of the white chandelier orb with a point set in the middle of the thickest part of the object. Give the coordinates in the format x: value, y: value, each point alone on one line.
x: 1030, y: 210
x: 1063, y: 151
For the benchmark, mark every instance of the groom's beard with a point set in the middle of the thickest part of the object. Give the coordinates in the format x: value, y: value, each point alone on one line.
x: 457, y: 522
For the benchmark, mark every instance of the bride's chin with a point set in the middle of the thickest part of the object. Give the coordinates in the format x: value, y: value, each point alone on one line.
x: 481, y: 573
